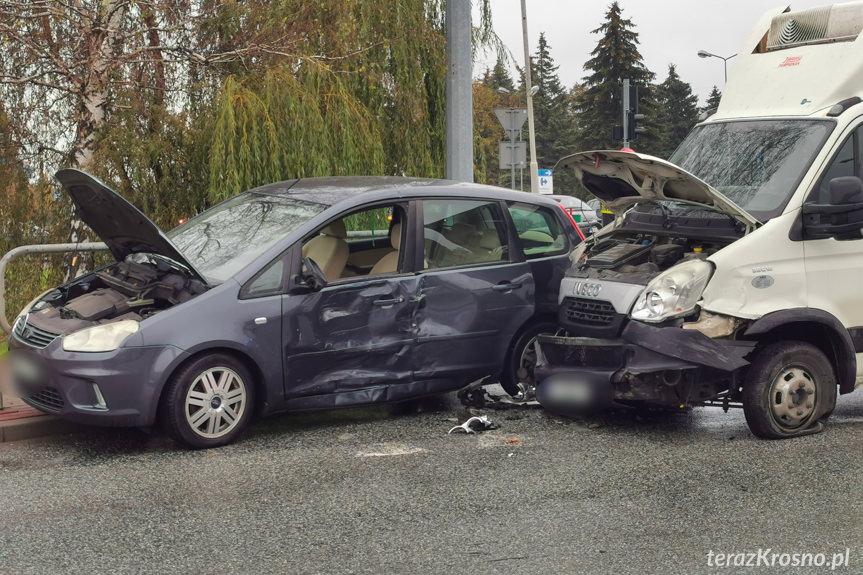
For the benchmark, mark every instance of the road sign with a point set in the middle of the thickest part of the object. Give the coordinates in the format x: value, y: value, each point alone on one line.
x: 512, y: 119
x: 546, y: 182
x: 513, y: 154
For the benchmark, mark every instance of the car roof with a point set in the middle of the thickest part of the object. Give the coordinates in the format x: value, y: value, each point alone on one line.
x: 563, y: 198
x: 331, y: 191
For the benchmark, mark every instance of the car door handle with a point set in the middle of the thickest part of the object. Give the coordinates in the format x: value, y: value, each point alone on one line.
x: 506, y: 286
x: 388, y: 302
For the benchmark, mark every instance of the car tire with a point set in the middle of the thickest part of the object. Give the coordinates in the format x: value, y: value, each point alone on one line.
x: 789, y: 390
x: 522, y: 356
x: 208, y: 402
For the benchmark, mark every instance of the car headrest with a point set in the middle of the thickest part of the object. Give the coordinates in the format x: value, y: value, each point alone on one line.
x: 335, y: 229
x: 396, y: 236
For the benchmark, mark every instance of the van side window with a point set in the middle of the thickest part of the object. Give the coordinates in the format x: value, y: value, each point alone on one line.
x: 463, y: 232
x: 843, y: 164
x: 538, y: 230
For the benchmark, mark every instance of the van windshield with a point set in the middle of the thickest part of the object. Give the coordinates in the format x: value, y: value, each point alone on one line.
x: 757, y: 164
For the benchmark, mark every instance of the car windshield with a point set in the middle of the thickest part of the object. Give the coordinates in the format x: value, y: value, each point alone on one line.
x: 757, y: 164
x: 223, y: 240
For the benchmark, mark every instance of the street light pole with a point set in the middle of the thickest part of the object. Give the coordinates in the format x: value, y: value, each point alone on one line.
x: 725, y: 59
x: 531, y: 134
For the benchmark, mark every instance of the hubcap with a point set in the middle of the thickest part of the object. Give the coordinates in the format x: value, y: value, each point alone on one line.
x: 215, y: 402
x: 792, y: 397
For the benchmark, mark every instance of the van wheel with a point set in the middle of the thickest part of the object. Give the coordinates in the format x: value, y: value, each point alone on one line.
x: 208, y: 402
x: 517, y: 375
x: 790, y: 387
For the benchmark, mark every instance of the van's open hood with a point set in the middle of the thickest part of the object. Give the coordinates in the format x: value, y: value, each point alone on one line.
x: 622, y: 179
x: 123, y: 228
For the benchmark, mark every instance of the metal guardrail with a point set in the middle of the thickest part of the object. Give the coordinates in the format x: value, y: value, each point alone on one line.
x: 37, y: 249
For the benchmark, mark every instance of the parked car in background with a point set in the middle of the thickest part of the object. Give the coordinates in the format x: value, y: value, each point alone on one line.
x: 584, y: 216
x: 298, y: 295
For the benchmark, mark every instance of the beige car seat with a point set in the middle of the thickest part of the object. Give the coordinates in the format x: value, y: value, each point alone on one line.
x: 329, y: 250
x: 390, y: 262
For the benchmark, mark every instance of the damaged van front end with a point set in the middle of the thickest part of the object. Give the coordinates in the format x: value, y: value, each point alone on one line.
x: 675, y: 303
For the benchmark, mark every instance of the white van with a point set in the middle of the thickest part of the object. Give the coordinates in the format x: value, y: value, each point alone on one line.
x: 732, y: 274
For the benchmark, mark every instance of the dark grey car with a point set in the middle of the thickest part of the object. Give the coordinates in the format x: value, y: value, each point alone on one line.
x: 299, y: 295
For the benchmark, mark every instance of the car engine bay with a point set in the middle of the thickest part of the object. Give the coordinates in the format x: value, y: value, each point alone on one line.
x: 135, y: 289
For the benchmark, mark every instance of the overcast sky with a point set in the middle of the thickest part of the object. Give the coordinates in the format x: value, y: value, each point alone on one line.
x: 670, y: 32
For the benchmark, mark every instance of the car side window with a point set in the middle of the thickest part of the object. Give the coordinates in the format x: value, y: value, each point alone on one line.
x: 269, y: 281
x: 538, y: 229
x: 463, y: 232
x: 362, y: 243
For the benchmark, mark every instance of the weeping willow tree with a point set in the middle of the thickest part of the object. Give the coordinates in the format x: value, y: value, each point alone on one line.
x: 361, y: 91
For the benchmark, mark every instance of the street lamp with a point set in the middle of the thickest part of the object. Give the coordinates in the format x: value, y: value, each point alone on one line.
x: 706, y: 54
x: 531, y: 133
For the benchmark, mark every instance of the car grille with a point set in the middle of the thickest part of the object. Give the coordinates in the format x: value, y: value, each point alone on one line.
x: 588, y: 311
x: 48, y: 399
x: 33, y: 336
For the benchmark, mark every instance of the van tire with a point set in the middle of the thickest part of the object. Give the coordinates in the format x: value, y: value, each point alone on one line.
x: 191, y: 401
x: 789, y: 389
x: 519, y: 357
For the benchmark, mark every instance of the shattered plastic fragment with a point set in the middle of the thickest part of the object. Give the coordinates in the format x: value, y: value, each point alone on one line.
x: 483, y: 422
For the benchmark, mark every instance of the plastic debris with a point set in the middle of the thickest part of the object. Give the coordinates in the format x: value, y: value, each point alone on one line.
x: 482, y: 422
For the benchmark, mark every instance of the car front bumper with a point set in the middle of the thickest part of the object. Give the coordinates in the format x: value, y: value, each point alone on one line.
x: 665, y: 366
x: 120, y: 388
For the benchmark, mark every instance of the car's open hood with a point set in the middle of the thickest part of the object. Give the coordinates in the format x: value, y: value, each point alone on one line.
x: 623, y: 179
x: 123, y: 228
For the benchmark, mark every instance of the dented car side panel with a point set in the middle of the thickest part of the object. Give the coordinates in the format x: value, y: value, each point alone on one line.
x: 350, y: 336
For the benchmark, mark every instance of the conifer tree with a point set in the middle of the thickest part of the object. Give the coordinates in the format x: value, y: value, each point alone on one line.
x: 678, y: 110
x: 599, y: 106
x: 553, y: 118
x: 713, y: 99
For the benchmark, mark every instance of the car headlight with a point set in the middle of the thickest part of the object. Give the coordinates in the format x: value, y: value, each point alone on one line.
x: 105, y: 337
x: 673, y: 293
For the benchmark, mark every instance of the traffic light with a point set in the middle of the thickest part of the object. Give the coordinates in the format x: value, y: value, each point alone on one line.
x: 633, y: 126
x: 633, y: 116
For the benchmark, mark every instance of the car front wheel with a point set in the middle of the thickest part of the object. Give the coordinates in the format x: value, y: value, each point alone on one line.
x: 208, y: 402
x: 788, y: 390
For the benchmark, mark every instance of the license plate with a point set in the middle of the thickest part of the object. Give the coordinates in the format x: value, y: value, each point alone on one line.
x: 572, y: 392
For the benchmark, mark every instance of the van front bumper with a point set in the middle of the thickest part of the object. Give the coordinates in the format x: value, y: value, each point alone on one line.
x: 664, y: 366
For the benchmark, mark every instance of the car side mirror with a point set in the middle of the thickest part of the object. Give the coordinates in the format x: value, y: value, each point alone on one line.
x: 842, y: 218
x: 312, y: 275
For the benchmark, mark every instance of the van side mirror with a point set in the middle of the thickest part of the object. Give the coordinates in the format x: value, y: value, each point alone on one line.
x: 842, y: 218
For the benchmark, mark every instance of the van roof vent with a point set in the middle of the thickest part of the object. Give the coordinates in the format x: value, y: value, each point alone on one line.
x: 834, y: 23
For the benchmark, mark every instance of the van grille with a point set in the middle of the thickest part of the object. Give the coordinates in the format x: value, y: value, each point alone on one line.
x: 33, y: 336
x: 49, y: 399
x: 588, y: 311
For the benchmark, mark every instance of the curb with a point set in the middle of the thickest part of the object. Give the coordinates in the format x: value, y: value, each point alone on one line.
x: 33, y: 427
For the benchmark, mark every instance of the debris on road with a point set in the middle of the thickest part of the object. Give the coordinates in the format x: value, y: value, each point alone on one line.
x: 483, y: 422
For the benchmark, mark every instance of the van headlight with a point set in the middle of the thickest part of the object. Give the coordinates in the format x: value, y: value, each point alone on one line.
x: 673, y: 293
x: 105, y: 337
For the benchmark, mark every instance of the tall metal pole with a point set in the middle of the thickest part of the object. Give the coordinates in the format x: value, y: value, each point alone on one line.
x: 626, y: 112
x: 531, y: 134
x: 459, y: 97
x: 512, y: 153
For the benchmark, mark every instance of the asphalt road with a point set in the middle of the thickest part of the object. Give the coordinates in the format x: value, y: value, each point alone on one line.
x: 363, y: 492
